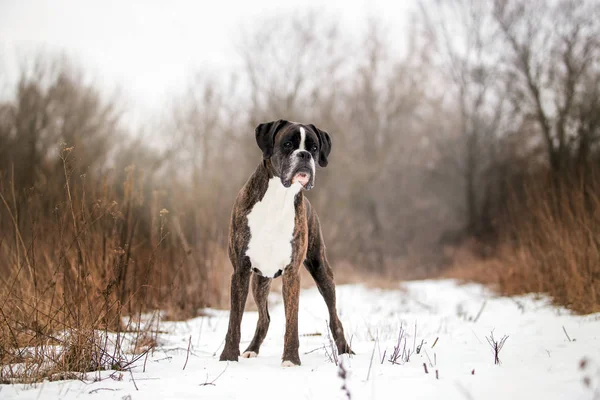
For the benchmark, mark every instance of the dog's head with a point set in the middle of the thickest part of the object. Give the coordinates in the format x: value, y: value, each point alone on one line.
x: 293, y: 150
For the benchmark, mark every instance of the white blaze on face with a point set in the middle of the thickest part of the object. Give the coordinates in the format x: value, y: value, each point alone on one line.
x: 302, y: 139
x: 296, y: 159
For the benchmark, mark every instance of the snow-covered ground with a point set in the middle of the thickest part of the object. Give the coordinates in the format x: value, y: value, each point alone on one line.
x: 538, y: 361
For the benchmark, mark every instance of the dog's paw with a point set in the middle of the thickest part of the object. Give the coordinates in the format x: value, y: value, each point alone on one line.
x: 249, y: 354
x: 287, y: 364
x: 343, y: 348
x: 228, y: 356
x: 344, y: 358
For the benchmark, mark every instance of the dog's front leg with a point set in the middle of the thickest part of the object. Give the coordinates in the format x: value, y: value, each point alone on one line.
x: 291, y: 296
x: 240, y: 280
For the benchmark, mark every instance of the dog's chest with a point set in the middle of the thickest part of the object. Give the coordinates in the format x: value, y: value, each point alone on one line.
x: 271, y: 223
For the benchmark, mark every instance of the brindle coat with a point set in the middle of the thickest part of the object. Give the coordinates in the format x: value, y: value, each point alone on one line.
x: 307, y: 247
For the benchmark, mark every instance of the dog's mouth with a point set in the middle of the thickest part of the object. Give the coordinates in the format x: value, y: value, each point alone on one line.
x: 303, y: 176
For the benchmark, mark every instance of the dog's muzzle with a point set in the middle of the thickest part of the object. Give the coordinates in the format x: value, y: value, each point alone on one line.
x: 302, y: 170
x: 302, y: 175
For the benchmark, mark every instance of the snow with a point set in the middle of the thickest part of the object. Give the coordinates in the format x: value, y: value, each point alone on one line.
x: 537, y: 361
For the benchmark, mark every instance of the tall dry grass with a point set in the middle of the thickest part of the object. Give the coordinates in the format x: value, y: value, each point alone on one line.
x: 75, y: 263
x: 556, y: 234
x: 551, y: 242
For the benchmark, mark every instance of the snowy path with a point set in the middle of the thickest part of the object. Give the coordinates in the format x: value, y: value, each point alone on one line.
x: 538, y: 360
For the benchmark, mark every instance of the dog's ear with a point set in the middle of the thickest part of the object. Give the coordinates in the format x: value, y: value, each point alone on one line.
x: 265, y: 136
x: 324, y: 145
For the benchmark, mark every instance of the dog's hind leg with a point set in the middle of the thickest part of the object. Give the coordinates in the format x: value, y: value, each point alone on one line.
x: 260, y: 292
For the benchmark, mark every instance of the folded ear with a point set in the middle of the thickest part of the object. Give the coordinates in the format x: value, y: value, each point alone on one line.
x: 324, y: 145
x: 265, y: 136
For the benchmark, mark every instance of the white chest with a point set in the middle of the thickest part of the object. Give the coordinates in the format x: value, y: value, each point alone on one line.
x: 271, y: 224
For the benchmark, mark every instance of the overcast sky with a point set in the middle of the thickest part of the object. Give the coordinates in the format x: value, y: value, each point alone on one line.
x: 150, y: 48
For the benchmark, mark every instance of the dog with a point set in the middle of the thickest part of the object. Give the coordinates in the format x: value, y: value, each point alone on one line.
x: 273, y: 231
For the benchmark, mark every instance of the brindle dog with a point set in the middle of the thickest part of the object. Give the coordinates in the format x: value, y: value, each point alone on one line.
x: 273, y: 230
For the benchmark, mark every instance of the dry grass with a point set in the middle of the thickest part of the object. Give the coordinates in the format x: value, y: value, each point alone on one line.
x: 74, y: 264
x: 552, y: 245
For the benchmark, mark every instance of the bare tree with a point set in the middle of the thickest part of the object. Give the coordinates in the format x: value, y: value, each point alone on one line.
x: 466, y: 41
x: 381, y: 116
x: 553, y: 53
x: 287, y: 60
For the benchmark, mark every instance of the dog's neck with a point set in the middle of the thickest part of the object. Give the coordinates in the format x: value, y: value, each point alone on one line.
x: 269, y: 178
x: 268, y: 168
x: 264, y: 177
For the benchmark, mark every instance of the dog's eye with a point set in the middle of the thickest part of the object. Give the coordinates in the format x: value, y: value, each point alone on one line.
x: 314, y: 148
x: 287, y: 145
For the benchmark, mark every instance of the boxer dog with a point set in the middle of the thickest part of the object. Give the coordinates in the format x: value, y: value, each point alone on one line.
x: 273, y: 231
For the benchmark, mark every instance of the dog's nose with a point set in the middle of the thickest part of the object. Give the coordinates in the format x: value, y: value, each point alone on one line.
x: 304, y: 155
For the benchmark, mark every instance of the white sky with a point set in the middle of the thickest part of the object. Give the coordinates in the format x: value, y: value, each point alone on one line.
x: 149, y: 49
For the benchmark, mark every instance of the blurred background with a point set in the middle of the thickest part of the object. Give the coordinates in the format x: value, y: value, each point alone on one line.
x: 465, y: 144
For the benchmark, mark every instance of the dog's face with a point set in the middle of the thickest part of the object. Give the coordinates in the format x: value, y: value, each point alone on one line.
x: 294, y: 150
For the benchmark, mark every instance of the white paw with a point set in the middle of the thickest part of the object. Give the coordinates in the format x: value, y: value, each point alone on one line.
x: 249, y: 354
x: 287, y: 364
x: 345, y: 358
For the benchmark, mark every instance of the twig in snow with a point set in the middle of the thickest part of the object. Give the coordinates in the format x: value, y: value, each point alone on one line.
x: 476, y: 337
x: 566, y: 334
x: 133, y: 380
x: 187, y: 356
x: 437, y: 374
x: 427, y: 354
x: 145, y: 359
x: 415, y: 338
x: 435, y: 342
x: 99, y: 389
x: 116, y: 376
x: 317, y: 349
x: 212, y: 383
x: 425, y: 368
x: 396, y: 353
x: 371, y: 362
x: 164, y: 358
x: 333, y: 356
x: 496, y: 346
x: 480, y: 311
x: 222, y: 341
x: 400, y: 352
x: 177, y: 349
